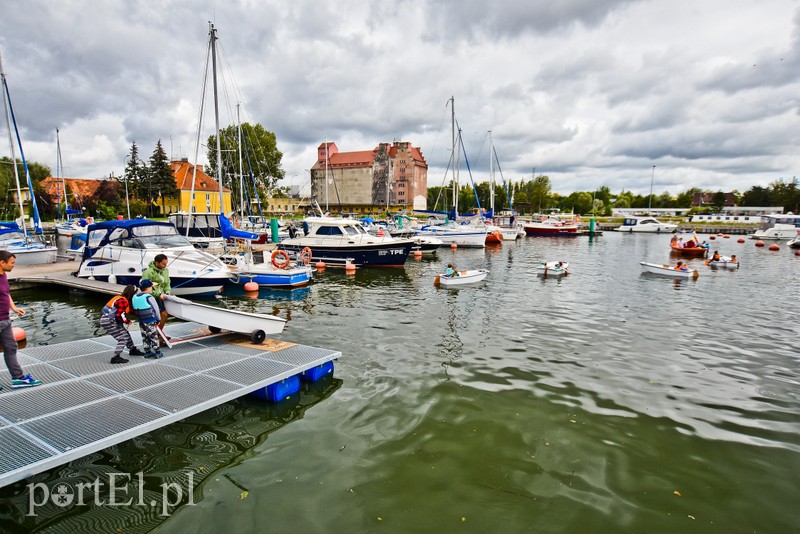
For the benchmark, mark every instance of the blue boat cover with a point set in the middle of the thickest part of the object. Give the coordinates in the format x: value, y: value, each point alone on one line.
x: 229, y: 232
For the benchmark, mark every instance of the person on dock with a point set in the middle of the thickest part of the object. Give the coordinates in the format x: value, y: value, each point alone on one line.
x: 158, y: 273
x: 114, y: 319
x: 145, y: 307
x: 18, y: 377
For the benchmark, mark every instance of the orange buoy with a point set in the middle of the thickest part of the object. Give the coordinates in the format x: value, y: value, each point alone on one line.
x: 349, y: 267
x: 251, y: 286
x: 19, y: 333
x: 453, y: 246
x: 797, y: 252
x: 720, y: 234
x: 712, y: 237
x: 320, y: 265
x: 417, y: 254
x: 740, y: 240
x: 774, y: 246
x: 726, y: 236
x: 759, y: 243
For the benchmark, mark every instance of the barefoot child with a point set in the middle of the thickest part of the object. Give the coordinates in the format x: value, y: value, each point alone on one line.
x: 146, y: 309
x: 114, y: 319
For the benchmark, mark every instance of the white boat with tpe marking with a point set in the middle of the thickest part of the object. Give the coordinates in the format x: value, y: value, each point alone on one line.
x: 666, y: 270
x: 256, y: 325
x: 461, y: 278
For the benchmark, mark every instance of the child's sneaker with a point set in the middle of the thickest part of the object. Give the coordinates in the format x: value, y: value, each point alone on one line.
x: 158, y: 354
x: 26, y: 381
x: 149, y: 354
x: 118, y: 359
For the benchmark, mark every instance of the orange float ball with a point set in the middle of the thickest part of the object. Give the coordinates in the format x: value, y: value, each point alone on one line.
x: 797, y: 252
x: 320, y: 265
x: 726, y: 236
x: 712, y: 237
x: 759, y: 243
x: 740, y: 240
x: 453, y: 246
x: 774, y: 246
x: 19, y: 333
x: 417, y: 254
x: 350, y: 268
x: 251, y: 286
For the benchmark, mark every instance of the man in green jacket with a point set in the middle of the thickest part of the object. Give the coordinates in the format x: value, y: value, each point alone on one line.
x: 158, y: 273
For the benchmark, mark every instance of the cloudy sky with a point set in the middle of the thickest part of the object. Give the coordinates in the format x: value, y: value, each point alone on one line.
x: 589, y: 92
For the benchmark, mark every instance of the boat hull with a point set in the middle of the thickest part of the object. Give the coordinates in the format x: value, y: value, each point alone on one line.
x: 692, y: 252
x: 448, y: 236
x: 464, y: 278
x: 667, y: 271
x: 387, y: 254
x: 266, y: 277
x: 552, y: 269
x: 34, y: 256
x: 541, y: 230
x: 225, y: 319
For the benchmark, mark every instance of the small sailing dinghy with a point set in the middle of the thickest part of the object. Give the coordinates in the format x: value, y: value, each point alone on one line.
x: 461, y: 278
x: 553, y: 268
x: 666, y: 270
x: 723, y: 262
x: 256, y: 325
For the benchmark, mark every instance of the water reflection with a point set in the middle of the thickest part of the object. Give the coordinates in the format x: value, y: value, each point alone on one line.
x: 200, y: 445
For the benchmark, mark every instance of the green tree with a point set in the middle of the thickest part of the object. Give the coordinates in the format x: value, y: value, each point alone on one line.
x: 161, y: 178
x: 539, y: 193
x: 717, y: 202
x: 259, y: 154
x: 757, y: 196
x: 685, y: 199
x: 786, y: 194
x: 135, y: 177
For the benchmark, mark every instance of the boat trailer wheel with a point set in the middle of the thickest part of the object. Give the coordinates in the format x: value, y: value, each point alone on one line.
x: 258, y: 337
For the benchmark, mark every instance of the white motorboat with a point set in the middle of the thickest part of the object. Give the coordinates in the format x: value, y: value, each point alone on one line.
x: 795, y: 241
x: 462, y: 235
x: 666, y: 270
x: 119, y: 250
x: 646, y: 225
x: 256, y: 325
x: 552, y: 227
x: 340, y: 241
x: 28, y: 249
x: 775, y: 227
x: 461, y: 278
x: 553, y: 268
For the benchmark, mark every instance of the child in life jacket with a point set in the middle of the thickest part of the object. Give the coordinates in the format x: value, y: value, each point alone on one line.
x: 114, y: 318
x: 146, y: 309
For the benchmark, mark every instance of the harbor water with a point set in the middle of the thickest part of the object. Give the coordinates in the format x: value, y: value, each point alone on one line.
x: 605, y: 401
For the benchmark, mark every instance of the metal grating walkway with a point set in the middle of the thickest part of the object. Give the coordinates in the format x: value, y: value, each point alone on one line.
x: 87, y: 404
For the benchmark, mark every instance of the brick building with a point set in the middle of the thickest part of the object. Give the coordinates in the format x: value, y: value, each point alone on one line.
x: 357, y: 181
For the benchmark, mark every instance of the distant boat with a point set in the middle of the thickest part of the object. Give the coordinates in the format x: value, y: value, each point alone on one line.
x: 553, y: 268
x: 552, y: 227
x: 666, y: 270
x: 647, y: 225
x: 461, y: 278
x: 775, y: 227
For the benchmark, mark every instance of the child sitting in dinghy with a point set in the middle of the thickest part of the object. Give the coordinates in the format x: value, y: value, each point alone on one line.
x: 450, y: 272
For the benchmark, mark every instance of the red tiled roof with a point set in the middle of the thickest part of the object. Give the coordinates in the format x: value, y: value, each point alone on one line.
x: 183, y: 171
x: 79, y: 187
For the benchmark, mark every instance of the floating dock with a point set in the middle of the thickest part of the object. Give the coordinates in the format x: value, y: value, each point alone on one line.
x: 87, y: 404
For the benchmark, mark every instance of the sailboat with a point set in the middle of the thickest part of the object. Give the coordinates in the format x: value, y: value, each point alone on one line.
x: 451, y: 233
x: 28, y: 248
x: 70, y: 230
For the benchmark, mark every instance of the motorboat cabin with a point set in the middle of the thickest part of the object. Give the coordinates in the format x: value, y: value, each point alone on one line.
x: 646, y: 224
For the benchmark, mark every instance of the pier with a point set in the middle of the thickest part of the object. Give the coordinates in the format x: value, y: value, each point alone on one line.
x: 87, y: 404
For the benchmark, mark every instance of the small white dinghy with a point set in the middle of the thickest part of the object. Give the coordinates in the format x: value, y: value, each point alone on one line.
x: 666, y: 270
x: 553, y: 268
x: 461, y: 278
x: 724, y: 262
x: 256, y: 325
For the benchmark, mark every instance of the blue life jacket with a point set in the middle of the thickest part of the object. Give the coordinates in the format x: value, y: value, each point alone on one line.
x: 145, y: 308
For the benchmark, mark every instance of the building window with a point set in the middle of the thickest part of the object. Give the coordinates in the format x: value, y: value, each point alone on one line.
x: 194, y: 195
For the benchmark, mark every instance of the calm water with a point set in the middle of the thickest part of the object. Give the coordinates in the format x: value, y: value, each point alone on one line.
x: 606, y: 401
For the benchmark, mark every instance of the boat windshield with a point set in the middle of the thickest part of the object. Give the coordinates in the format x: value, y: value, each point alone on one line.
x: 351, y: 230
x: 158, y: 236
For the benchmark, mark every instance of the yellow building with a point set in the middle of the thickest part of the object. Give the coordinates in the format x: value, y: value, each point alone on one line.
x: 206, y: 191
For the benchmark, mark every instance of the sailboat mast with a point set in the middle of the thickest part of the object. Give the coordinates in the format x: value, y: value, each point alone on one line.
x: 455, y: 171
x: 59, y: 176
x: 213, y: 37
x: 11, y: 146
x: 650, y: 198
x: 491, y: 173
x: 326, y: 174
x: 241, y: 173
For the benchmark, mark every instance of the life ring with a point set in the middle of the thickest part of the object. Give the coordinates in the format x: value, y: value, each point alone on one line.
x: 305, y: 256
x: 283, y: 262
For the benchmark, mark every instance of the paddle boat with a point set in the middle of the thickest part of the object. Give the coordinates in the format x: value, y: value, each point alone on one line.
x: 256, y: 325
x: 553, y: 268
x: 666, y: 270
x: 724, y: 262
x: 688, y: 251
x: 461, y: 278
